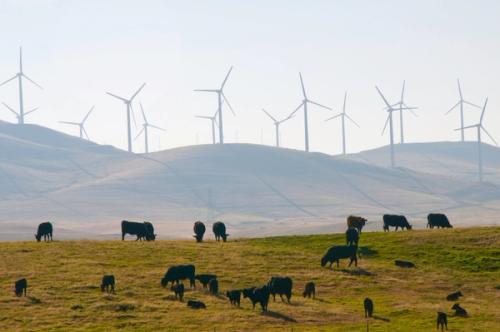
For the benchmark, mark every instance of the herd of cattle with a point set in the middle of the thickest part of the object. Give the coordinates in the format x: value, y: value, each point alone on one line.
x: 277, y: 285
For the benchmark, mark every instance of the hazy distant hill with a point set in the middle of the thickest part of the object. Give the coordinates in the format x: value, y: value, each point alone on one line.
x: 87, y: 189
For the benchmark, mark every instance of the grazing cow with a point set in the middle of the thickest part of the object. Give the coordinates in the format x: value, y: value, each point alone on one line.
x: 196, y: 304
x: 356, y: 222
x: 179, y: 272
x: 442, y: 321
x: 352, y: 236
x: 309, y: 290
x: 44, y: 229
x: 178, y: 290
x: 108, y: 284
x: 257, y: 295
x: 459, y: 311
x: 234, y: 297
x: 199, y: 231
x: 143, y: 230
x: 391, y: 220
x: 368, y: 304
x: 219, y: 230
x: 213, y: 286
x: 335, y: 253
x: 281, y: 286
x: 205, y: 278
x: 404, y: 264
x: 20, y: 287
x: 438, y: 220
x: 454, y: 296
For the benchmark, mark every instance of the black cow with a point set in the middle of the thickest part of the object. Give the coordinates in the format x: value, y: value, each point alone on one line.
x: 108, y: 284
x: 234, y: 297
x: 352, y: 236
x: 258, y: 295
x: 335, y: 253
x: 459, y: 311
x: 219, y: 230
x: 309, y: 290
x: 20, y: 287
x: 143, y: 230
x: 442, y: 321
x: 391, y: 220
x: 44, y: 229
x: 454, y: 296
x: 196, y: 304
x: 178, y: 290
x: 179, y: 272
x: 368, y: 304
x: 199, y: 230
x: 205, y: 278
x: 281, y: 286
x: 438, y: 220
x: 213, y: 287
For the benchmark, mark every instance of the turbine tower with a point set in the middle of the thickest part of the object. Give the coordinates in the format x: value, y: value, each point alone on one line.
x: 304, y: 104
x: 81, y: 124
x: 144, y: 129
x: 343, y: 116
x: 18, y: 115
x: 220, y: 98
x: 402, y: 106
x: 128, y: 103
x: 461, y: 103
x: 20, y: 75
x: 277, y: 125
x: 213, y: 120
x: 479, y: 127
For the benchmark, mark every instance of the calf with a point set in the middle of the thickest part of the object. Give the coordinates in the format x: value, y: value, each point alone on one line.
x: 391, y: 220
x: 258, y: 295
x: 368, y: 304
x: 454, y: 296
x: 356, y: 222
x: 199, y: 231
x: 404, y: 264
x: 44, y: 229
x: 335, y: 253
x: 196, y: 304
x: 352, y: 236
x: 438, y: 220
x: 179, y: 272
x: 178, y: 290
x: 205, y: 278
x: 442, y: 321
x: 281, y: 286
x: 20, y: 287
x: 459, y: 311
x: 213, y: 286
x: 234, y: 297
x: 108, y: 284
x: 309, y: 290
x: 219, y: 230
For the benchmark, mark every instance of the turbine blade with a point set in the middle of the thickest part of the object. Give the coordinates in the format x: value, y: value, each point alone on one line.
x: 467, y: 127
x: 482, y: 113
x: 143, y: 115
x: 385, y: 126
x: 403, y: 92
x: 269, y: 115
x: 85, y: 132
x: 203, y: 117
x: 139, y: 134
x: 10, y: 109
x: 206, y: 90
x: 317, y: 104
x: 137, y: 92
x: 459, y: 90
x: 133, y: 116
x: 302, y: 85
x: 295, y: 110
x: 287, y: 118
x: 228, y: 104
x: 487, y: 133
x: 29, y: 79
x: 70, y: 123
x: 385, y: 100
x: 10, y: 79
x: 31, y: 111
x: 347, y: 116
x: 412, y: 112
x: 334, y: 117
x: 86, y: 116
x: 451, y: 109
x: 156, y: 127
x: 225, y: 79
x: 345, y: 98
x: 471, y: 104
x: 118, y: 97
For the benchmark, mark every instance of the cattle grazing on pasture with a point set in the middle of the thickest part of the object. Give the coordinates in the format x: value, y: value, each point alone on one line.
x: 459, y: 311
x: 310, y: 290
x: 199, y: 231
x: 352, y: 236
x: 404, y: 264
x: 179, y: 272
x: 178, y: 290
x: 205, y: 278
x: 281, y: 286
x: 108, y: 284
x: 196, y: 304
x: 143, y: 230
x: 45, y: 229
x: 356, y: 222
x: 391, y: 220
x: 368, y: 305
x: 335, y: 253
x: 257, y: 295
x: 219, y: 229
x: 20, y: 287
x: 438, y: 220
x: 213, y: 286
x: 234, y: 297
x: 454, y: 296
x: 442, y: 321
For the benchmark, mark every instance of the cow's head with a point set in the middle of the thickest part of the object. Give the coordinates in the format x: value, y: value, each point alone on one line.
x: 164, y: 282
x: 224, y: 237
x: 198, y: 237
x: 324, y: 260
x: 409, y: 227
x: 38, y: 237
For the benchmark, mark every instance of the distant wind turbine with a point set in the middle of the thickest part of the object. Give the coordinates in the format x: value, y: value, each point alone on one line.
x: 479, y: 127
x: 343, y: 116
x: 213, y: 120
x: 304, y: 104
x: 18, y: 115
x: 220, y: 98
x: 128, y: 103
x: 402, y: 107
x: 461, y: 103
x: 20, y: 75
x: 277, y: 125
x: 144, y: 129
x: 81, y: 124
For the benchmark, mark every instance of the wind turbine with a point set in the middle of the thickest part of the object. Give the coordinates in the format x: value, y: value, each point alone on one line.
x: 213, y: 120
x: 128, y: 103
x: 18, y: 115
x: 81, y: 124
x: 277, y: 125
x: 461, y: 102
x: 402, y: 106
x: 343, y: 116
x: 220, y: 97
x: 304, y: 104
x: 479, y: 127
x: 20, y: 75
x: 144, y: 129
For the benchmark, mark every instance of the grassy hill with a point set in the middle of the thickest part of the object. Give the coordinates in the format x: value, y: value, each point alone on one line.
x: 63, y: 279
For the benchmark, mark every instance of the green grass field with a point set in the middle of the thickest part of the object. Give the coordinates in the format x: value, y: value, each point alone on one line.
x: 64, y: 277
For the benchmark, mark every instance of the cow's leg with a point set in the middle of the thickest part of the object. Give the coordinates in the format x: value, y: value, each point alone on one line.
x: 338, y: 263
x: 123, y: 236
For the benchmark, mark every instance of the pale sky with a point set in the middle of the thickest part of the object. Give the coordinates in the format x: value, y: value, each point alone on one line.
x: 78, y: 50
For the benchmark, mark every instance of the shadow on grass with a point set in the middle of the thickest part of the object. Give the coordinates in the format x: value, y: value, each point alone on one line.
x: 323, y: 300
x: 274, y: 314
x: 33, y: 300
x: 357, y: 272
x: 381, y: 318
x: 367, y: 252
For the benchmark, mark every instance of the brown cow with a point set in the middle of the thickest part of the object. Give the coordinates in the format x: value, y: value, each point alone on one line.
x: 356, y: 222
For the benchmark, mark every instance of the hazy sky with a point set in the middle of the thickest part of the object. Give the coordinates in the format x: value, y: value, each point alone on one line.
x: 78, y: 50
